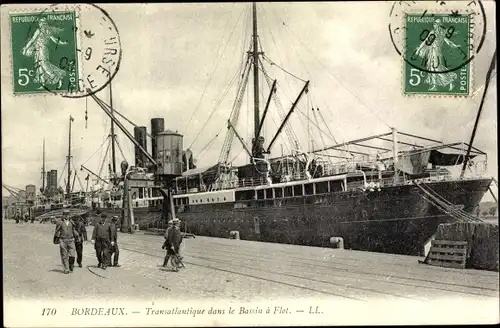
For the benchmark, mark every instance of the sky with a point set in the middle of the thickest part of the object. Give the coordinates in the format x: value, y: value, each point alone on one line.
x: 178, y: 60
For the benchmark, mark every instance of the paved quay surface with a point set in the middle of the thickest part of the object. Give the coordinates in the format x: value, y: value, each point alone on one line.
x: 230, y: 269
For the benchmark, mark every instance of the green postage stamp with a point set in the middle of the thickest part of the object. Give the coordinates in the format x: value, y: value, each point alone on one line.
x: 437, y: 54
x: 44, y: 52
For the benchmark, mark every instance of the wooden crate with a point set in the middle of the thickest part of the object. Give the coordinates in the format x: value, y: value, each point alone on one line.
x: 446, y: 253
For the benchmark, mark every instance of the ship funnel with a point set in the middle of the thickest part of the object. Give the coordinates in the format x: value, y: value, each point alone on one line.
x: 157, y: 126
x: 140, y: 133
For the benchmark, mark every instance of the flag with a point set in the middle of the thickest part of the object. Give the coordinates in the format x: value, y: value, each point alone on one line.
x: 71, y: 118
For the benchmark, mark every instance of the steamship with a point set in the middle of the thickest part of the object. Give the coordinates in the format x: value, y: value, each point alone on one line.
x: 382, y: 193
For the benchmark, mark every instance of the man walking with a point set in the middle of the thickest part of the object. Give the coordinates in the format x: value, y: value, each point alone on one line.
x: 80, y: 239
x: 170, y: 224
x: 114, y: 243
x: 172, y: 244
x: 65, y: 232
x: 101, y: 237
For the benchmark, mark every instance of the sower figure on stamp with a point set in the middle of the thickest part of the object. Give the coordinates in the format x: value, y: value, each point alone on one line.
x: 114, y: 243
x: 172, y: 244
x: 80, y: 239
x: 102, y: 238
x: 65, y: 235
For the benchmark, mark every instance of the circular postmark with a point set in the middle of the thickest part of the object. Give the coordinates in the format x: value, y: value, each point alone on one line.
x: 76, y: 49
x: 437, y: 37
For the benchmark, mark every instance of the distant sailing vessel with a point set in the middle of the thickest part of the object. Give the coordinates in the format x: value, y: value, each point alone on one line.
x: 52, y: 198
x: 382, y: 193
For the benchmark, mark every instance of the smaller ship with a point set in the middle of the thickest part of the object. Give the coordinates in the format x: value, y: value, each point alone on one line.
x: 52, y: 198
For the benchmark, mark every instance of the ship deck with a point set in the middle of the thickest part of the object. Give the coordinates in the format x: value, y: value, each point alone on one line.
x: 237, y: 270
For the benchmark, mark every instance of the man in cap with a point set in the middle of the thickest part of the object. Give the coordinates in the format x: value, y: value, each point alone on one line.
x: 172, y: 243
x: 65, y: 232
x: 101, y: 236
x: 114, y: 243
x: 170, y: 224
x: 80, y: 239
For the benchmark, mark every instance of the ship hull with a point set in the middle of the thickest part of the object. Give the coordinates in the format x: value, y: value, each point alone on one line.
x: 394, y: 220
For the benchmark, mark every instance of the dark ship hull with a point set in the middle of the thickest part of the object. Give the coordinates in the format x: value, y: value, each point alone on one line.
x: 393, y: 220
x: 145, y: 217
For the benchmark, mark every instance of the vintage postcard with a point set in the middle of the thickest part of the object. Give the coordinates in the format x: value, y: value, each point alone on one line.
x: 237, y: 164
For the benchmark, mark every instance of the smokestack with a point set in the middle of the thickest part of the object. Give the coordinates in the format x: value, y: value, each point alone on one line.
x: 140, y: 137
x: 157, y: 126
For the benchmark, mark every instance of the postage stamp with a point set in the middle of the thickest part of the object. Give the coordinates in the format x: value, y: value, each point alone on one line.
x: 438, y: 42
x: 44, y: 52
x: 437, y: 49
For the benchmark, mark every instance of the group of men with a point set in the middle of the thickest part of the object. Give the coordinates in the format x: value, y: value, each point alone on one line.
x: 21, y: 219
x: 71, y: 234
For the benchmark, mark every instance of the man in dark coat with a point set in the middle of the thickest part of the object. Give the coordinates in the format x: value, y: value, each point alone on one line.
x: 80, y: 239
x: 101, y: 238
x: 114, y: 243
x: 172, y: 244
x: 65, y: 233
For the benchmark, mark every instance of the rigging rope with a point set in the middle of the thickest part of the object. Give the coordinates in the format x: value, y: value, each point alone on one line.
x: 445, y: 205
x: 331, y: 134
x: 277, y: 126
x: 106, y: 139
x: 209, y: 144
x: 281, y: 112
x: 216, y: 66
x: 327, y: 127
x: 335, y: 77
x: 309, y: 120
x: 288, y: 130
x: 101, y: 167
x: 235, y: 112
x: 120, y: 149
x: 78, y: 177
x: 216, y: 107
x: 321, y: 134
x: 60, y: 176
x: 126, y: 119
x: 284, y: 70
x: 449, y: 204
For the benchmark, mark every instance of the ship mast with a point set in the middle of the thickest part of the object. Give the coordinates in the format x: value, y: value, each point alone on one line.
x: 255, y: 55
x: 486, y: 85
x: 68, y: 182
x: 43, y: 166
x: 113, y: 160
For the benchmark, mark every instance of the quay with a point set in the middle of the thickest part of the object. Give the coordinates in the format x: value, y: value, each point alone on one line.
x: 231, y: 269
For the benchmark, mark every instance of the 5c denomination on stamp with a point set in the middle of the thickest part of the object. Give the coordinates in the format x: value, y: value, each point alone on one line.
x: 438, y: 42
x: 44, y: 52
x: 69, y: 50
x: 437, y: 53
